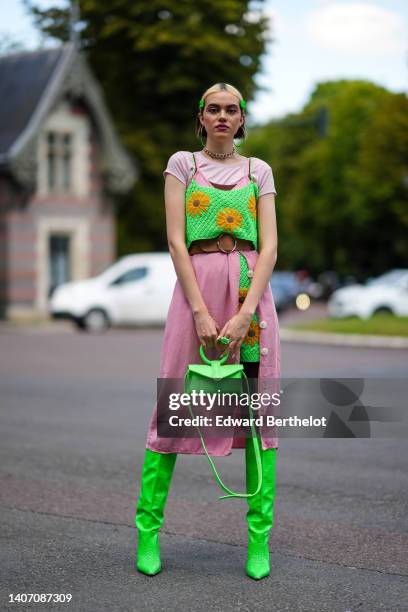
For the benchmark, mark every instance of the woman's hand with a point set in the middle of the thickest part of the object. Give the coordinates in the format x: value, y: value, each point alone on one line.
x: 236, y: 329
x: 206, y: 328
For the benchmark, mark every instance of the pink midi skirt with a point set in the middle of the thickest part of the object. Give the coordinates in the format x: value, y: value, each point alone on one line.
x: 218, y: 279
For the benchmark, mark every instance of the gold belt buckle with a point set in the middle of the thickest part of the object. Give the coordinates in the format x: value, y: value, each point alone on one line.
x: 220, y: 247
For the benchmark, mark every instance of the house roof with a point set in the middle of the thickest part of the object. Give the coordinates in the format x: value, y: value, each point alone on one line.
x: 23, y: 80
x: 31, y: 83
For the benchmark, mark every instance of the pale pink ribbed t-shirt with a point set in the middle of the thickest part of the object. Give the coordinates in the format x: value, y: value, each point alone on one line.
x: 181, y: 165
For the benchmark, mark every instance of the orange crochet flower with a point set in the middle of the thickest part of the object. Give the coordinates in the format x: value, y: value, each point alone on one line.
x: 197, y: 203
x: 229, y: 219
x: 242, y: 295
x: 252, y: 336
x: 252, y: 206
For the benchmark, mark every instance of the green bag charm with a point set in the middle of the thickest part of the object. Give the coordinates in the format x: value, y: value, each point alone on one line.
x: 208, y: 378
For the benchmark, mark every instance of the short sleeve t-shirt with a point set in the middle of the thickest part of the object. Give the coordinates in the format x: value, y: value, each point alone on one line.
x: 181, y: 165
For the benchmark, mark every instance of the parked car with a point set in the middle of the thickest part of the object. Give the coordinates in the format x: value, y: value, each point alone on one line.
x: 285, y: 289
x: 386, y: 293
x: 327, y: 282
x: 137, y: 289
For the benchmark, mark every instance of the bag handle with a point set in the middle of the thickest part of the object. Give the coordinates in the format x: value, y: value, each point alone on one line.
x: 223, y: 359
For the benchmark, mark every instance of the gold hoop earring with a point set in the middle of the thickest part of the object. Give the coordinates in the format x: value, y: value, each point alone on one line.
x: 243, y: 137
x: 200, y: 133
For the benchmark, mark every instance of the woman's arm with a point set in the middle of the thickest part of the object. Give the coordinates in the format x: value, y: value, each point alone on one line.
x: 174, y: 194
x: 236, y: 328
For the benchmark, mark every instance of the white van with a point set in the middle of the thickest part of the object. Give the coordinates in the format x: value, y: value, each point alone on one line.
x: 136, y: 290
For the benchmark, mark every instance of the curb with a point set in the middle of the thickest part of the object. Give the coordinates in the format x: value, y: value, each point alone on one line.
x: 359, y: 340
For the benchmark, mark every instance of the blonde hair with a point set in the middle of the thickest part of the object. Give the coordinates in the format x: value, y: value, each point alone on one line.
x: 200, y: 129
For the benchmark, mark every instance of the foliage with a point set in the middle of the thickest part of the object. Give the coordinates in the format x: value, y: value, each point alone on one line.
x: 342, y: 199
x: 154, y: 60
x: 342, y: 187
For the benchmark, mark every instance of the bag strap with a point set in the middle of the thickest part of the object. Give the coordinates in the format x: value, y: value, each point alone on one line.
x: 256, y: 449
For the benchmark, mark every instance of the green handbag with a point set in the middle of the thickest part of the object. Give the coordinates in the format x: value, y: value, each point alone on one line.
x: 208, y: 378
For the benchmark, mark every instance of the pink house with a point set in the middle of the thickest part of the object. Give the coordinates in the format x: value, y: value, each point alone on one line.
x: 61, y: 164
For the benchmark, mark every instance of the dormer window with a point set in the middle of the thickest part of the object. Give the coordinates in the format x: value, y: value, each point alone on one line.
x: 59, y: 162
x: 64, y: 153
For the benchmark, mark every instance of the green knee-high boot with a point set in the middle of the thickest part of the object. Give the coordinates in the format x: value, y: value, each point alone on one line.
x: 260, y: 512
x: 156, y: 477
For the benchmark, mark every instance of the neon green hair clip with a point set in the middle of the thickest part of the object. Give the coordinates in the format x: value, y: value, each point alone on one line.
x: 242, y: 104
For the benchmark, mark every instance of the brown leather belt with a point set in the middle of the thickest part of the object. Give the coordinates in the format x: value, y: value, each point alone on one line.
x: 225, y: 243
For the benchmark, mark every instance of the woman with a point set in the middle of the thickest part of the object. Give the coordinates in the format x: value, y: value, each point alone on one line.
x: 221, y: 231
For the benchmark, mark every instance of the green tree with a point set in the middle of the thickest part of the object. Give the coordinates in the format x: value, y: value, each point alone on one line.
x: 154, y: 59
x: 380, y: 181
x: 342, y: 199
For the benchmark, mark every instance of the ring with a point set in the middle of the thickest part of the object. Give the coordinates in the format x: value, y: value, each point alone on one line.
x: 224, y: 340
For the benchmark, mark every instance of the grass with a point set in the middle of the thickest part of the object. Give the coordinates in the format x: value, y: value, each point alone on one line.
x: 378, y: 325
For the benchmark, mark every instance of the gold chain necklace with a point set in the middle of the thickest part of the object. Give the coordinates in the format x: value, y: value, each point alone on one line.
x: 219, y: 155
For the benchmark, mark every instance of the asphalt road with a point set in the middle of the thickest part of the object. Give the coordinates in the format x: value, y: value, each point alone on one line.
x: 73, y: 420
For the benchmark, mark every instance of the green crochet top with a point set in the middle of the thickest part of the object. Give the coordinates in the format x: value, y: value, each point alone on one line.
x: 211, y: 211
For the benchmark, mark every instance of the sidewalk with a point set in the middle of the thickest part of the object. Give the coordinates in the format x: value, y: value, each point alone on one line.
x: 319, y: 311
x: 360, y: 340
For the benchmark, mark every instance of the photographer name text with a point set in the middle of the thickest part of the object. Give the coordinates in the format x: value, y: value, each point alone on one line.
x: 259, y: 421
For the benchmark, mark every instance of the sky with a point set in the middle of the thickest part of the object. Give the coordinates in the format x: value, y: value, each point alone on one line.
x: 313, y: 41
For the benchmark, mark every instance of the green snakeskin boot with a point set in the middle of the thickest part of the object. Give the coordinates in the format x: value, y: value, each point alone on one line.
x: 260, y: 512
x: 156, y: 477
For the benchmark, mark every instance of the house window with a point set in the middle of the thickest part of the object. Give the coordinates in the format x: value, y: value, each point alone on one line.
x: 59, y: 162
x: 51, y: 157
x: 58, y: 261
